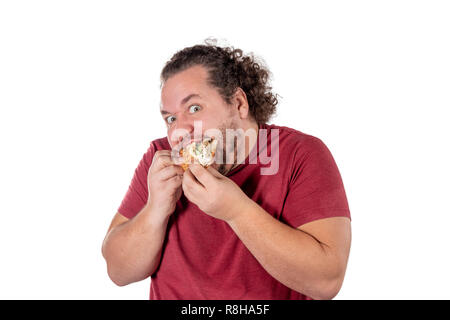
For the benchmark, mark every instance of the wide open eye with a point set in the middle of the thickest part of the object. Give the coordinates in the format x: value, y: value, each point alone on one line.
x: 194, y: 108
x: 170, y: 119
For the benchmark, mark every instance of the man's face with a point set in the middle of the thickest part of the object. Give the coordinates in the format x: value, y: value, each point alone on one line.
x: 187, y: 99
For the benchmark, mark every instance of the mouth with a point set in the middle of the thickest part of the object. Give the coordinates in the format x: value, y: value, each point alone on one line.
x: 202, y: 152
x: 187, y: 140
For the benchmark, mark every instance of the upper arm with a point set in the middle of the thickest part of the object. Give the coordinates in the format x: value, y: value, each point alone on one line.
x: 315, y: 190
x: 334, y: 234
x: 137, y: 194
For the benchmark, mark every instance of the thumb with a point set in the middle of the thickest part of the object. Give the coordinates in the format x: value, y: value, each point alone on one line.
x: 214, y: 172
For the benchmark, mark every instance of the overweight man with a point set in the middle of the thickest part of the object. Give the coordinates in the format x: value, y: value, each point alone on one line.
x: 269, y: 219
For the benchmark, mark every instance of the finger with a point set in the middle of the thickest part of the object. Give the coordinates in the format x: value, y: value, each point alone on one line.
x: 161, y: 159
x: 188, y: 190
x: 162, y: 153
x: 204, y: 176
x: 174, y: 182
x: 191, y: 184
x: 169, y: 172
x: 214, y: 172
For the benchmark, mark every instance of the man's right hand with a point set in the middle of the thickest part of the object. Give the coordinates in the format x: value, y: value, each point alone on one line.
x: 164, y: 181
x: 132, y: 247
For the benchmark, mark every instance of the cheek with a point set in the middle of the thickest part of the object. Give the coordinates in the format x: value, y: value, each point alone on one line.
x: 172, y: 139
x: 217, y: 118
x: 209, y: 123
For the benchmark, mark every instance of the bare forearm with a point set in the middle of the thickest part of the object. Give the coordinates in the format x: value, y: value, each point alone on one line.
x: 291, y: 256
x: 132, y: 250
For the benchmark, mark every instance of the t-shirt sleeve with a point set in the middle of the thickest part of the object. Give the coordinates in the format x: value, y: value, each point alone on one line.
x: 137, y: 193
x: 316, y: 190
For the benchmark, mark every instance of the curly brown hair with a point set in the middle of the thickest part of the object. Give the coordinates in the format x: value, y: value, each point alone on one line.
x: 229, y: 69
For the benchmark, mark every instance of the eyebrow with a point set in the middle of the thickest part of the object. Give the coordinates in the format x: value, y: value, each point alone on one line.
x: 185, y: 100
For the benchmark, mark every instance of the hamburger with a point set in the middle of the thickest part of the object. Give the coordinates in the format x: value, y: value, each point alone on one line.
x: 202, y: 152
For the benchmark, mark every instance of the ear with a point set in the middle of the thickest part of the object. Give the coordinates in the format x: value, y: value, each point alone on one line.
x: 241, y: 103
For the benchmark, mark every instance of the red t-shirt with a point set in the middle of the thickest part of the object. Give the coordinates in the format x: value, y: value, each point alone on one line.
x: 203, y: 258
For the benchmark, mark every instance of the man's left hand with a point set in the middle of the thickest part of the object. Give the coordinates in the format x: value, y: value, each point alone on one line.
x: 214, y: 194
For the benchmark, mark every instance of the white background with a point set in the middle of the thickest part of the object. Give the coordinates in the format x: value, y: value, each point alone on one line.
x: 79, y: 98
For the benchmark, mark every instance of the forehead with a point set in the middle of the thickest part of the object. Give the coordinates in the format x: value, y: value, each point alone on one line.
x: 182, y: 84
